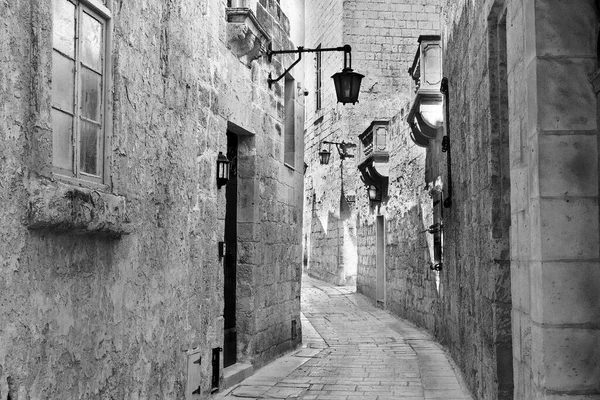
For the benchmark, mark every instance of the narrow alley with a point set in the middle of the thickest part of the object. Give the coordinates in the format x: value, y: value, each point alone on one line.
x: 353, y: 350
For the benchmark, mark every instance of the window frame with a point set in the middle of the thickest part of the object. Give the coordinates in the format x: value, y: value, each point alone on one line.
x: 289, y: 122
x: 318, y: 79
x: 102, y: 13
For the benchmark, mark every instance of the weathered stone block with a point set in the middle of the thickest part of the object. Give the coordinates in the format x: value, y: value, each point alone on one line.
x: 568, y: 165
x: 566, y: 230
x: 519, y: 182
x: 565, y: 293
x: 565, y: 28
x: 563, y: 76
x: 565, y: 359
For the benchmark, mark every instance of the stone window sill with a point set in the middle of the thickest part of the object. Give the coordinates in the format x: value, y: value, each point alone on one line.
x: 62, y: 207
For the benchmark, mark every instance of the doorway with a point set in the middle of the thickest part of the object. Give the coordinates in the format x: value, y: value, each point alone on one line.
x: 380, y: 261
x: 230, y: 262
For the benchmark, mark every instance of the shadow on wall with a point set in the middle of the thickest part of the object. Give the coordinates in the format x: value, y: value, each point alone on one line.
x: 331, y: 254
x: 411, y: 286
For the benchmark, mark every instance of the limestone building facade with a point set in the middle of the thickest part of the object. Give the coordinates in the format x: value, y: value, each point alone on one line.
x: 381, y: 35
x: 126, y: 270
x: 487, y: 232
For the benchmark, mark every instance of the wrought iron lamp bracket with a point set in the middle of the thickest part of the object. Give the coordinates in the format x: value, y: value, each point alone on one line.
x: 342, y: 148
x: 270, y: 53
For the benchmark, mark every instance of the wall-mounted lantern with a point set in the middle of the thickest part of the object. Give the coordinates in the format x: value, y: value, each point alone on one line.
x: 374, y: 193
x: 426, y: 115
x: 342, y: 148
x: 324, y: 156
x: 347, y: 82
x: 222, y: 170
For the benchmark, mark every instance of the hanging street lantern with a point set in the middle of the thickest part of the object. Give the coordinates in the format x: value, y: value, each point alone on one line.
x: 347, y: 86
x: 324, y: 156
x: 347, y: 82
x: 222, y: 170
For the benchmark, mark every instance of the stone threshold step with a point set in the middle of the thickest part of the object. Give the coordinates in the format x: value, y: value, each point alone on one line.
x: 236, y: 373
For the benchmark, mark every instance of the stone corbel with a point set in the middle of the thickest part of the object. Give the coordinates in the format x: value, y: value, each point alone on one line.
x: 246, y: 37
x: 376, y: 174
x: 426, y: 117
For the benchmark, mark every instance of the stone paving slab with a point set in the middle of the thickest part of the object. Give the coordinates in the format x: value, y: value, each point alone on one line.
x: 354, y: 350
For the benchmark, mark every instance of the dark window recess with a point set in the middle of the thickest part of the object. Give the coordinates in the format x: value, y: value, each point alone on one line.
x: 294, y: 334
x: 290, y: 122
x: 230, y: 261
x: 216, y: 357
x: 318, y: 81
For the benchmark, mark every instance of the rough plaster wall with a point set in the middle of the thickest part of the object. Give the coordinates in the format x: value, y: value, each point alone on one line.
x: 411, y: 289
x: 476, y: 302
x: 276, y: 252
x: 325, y: 250
x: 89, y: 316
x: 470, y: 312
x: 410, y: 285
x: 387, y: 37
x: 322, y: 219
x: 382, y: 36
x: 366, y: 280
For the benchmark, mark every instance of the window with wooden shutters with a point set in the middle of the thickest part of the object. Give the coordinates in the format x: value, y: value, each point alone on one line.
x: 78, y: 90
x: 318, y: 80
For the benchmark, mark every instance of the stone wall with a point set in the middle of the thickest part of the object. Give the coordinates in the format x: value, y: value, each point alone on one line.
x: 411, y: 287
x: 543, y: 126
x: 101, y: 301
x: 476, y: 299
x: 522, y: 179
x: 322, y: 219
x: 466, y: 304
x: 381, y: 35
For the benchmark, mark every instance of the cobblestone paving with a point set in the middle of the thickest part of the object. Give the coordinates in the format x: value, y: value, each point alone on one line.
x: 353, y: 350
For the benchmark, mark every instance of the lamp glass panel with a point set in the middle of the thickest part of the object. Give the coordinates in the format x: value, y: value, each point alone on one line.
x: 226, y: 170
x: 372, y: 192
x: 324, y: 157
x: 347, y: 86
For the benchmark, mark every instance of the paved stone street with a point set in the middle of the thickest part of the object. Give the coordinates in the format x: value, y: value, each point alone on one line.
x: 353, y: 350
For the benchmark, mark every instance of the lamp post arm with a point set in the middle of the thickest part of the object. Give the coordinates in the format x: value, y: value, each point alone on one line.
x: 271, y: 81
x: 301, y: 49
x: 341, y: 148
x: 270, y: 53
